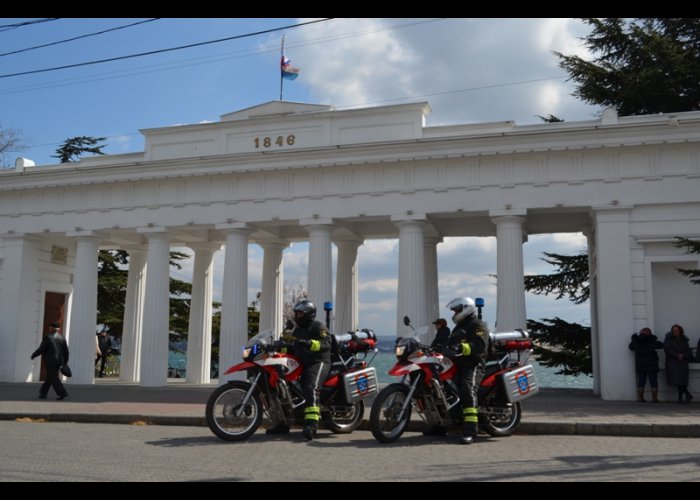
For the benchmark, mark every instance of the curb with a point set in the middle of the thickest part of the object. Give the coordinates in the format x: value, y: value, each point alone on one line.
x: 91, y: 418
x: 526, y: 428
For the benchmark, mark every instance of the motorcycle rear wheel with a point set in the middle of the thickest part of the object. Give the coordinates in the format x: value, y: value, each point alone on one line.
x: 221, y: 412
x: 383, y: 421
x: 504, y: 424
x: 344, y: 421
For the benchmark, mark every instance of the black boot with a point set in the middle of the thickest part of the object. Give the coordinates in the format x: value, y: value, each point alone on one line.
x: 469, y: 432
x: 309, y: 431
x: 280, y: 428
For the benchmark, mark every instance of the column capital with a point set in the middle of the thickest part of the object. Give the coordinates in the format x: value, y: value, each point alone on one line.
x: 503, y: 212
x: 501, y: 219
x: 349, y: 241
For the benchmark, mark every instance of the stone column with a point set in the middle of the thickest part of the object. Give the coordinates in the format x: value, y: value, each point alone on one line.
x: 412, y: 294
x: 431, y: 280
x: 593, y: 304
x: 199, y: 336
x: 130, y: 365
x: 83, y: 312
x: 156, y: 309
x: 346, y: 293
x: 272, y: 291
x: 234, y: 300
x: 320, y: 283
x: 510, y: 306
x: 615, y: 318
x: 20, y: 328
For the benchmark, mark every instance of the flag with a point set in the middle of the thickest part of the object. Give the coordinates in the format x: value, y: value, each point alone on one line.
x: 287, y: 71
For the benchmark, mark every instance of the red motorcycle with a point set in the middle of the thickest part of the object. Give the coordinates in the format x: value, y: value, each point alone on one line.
x: 235, y: 410
x: 427, y: 386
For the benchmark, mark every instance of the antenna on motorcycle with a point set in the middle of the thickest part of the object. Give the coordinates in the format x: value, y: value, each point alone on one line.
x: 479, y: 303
x: 328, y: 307
x: 407, y: 322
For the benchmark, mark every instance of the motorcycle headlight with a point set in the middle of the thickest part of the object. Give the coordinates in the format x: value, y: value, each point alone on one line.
x: 400, y: 349
x: 246, y: 352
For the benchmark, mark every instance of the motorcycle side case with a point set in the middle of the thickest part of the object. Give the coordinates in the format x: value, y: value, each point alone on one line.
x: 360, y: 384
x: 520, y: 383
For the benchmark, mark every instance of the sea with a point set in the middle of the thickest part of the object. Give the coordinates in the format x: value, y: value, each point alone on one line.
x: 385, y: 359
x: 546, y: 377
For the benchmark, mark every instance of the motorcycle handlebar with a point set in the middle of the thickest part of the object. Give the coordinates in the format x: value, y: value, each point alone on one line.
x: 278, y: 345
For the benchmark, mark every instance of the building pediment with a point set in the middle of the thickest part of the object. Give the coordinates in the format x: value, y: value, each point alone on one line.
x: 275, y: 108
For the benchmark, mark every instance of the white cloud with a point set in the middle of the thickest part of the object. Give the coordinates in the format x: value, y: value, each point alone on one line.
x: 379, y: 286
x: 423, y: 61
x: 453, y: 245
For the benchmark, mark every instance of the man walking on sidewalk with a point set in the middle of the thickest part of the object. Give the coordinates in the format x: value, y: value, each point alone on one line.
x: 54, y: 350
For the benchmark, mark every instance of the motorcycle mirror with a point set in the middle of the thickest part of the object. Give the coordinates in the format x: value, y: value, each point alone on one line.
x: 406, y: 320
x: 289, y: 325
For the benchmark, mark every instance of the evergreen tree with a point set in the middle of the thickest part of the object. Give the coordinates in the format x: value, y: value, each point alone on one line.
x: 72, y: 148
x: 550, y: 118
x: 640, y: 65
x: 690, y: 247
x: 560, y: 343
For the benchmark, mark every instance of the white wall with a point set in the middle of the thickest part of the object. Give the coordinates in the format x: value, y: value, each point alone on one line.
x: 676, y: 300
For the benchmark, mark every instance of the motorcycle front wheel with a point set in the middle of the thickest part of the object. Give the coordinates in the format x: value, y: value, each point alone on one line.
x: 501, y: 420
x: 228, y: 417
x: 383, y: 421
x: 344, y: 419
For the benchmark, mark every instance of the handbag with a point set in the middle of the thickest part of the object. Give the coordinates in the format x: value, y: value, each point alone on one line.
x: 65, y: 370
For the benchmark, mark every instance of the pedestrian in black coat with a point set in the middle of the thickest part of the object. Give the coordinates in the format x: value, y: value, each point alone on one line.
x: 646, y: 362
x: 54, y: 350
x: 678, y: 355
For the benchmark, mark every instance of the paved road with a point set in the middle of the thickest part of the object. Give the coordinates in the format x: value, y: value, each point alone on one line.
x: 91, y: 452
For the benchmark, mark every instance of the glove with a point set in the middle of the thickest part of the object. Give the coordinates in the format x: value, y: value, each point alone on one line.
x: 452, y: 350
x: 302, y: 343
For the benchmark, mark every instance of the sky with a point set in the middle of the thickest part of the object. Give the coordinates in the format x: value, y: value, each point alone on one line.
x: 469, y: 70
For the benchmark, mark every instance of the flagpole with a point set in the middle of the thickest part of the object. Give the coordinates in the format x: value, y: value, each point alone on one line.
x: 280, y: 69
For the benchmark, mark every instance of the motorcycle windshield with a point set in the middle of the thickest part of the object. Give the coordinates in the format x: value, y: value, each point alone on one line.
x: 421, y: 334
x: 266, y: 336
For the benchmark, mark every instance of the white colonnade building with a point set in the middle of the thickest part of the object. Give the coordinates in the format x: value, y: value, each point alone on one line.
x: 283, y: 172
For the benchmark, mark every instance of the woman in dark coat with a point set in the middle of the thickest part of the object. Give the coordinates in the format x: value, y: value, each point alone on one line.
x: 678, y: 355
x: 646, y: 362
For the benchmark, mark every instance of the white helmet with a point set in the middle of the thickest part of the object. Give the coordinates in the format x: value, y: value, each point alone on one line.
x: 462, y: 308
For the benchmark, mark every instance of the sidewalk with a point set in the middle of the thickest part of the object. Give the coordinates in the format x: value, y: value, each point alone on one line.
x: 552, y: 411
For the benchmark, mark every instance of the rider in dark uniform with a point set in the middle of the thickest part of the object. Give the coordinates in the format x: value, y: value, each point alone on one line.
x: 312, y: 344
x: 468, y: 345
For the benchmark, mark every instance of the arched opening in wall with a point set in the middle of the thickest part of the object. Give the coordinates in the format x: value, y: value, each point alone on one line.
x: 562, y: 326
